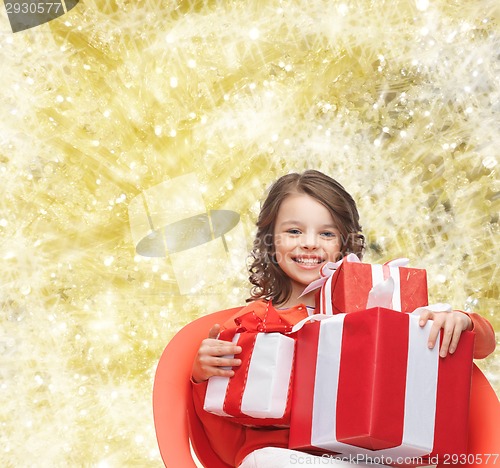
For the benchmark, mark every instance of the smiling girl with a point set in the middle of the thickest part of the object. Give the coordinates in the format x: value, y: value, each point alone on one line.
x: 306, y: 220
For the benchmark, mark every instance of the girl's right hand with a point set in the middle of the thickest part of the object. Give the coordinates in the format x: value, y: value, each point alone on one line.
x: 212, y: 357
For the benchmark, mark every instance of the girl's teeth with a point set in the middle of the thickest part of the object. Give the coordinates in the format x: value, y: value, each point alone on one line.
x: 309, y: 262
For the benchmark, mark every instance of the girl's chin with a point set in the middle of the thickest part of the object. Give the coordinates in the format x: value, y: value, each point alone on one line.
x: 303, y: 280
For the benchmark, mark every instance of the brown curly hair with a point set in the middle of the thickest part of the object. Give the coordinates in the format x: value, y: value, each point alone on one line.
x: 268, y: 279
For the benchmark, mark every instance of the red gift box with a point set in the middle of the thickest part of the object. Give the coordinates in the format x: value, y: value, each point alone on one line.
x: 366, y: 383
x: 259, y: 392
x: 346, y: 286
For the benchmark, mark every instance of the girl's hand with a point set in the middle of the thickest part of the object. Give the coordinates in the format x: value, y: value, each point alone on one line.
x: 452, y: 323
x: 211, y: 359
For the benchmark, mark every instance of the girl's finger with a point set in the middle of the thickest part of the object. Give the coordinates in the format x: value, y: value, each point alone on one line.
x: 222, y: 372
x: 222, y: 348
x: 447, y: 336
x: 424, y: 317
x: 212, y: 347
x: 433, y: 335
x: 454, y: 341
x: 214, y: 331
x: 225, y: 362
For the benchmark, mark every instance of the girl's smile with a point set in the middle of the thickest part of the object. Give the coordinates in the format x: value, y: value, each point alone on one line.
x: 308, y: 262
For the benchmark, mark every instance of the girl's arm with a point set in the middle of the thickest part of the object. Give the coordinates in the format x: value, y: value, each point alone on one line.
x: 485, y: 335
x: 453, y: 324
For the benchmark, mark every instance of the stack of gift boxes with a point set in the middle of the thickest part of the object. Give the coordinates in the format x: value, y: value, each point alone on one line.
x: 357, y: 378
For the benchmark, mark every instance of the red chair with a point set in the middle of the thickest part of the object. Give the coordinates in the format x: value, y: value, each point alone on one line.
x: 176, y: 422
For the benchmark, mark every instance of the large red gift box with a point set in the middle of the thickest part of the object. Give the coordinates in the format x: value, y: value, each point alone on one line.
x: 346, y: 286
x: 367, y: 383
x: 259, y: 393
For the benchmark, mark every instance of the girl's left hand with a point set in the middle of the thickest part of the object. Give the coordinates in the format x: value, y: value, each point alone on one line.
x: 452, y: 323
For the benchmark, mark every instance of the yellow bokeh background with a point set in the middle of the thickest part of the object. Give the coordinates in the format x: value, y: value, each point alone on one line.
x: 398, y: 100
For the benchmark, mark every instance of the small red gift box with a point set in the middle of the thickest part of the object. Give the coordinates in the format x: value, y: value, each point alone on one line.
x: 259, y: 392
x: 346, y: 286
x: 367, y: 383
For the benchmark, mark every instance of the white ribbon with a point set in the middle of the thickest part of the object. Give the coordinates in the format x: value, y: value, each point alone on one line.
x: 381, y: 294
x: 311, y: 318
x: 269, y: 374
x: 394, y: 299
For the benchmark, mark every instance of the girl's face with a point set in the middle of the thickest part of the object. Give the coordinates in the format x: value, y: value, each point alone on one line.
x: 305, y: 237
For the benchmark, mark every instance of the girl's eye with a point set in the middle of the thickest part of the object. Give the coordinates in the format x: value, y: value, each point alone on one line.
x: 293, y: 231
x: 329, y: 234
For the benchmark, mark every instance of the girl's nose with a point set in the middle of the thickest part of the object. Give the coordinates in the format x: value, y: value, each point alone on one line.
x: 310, y: 241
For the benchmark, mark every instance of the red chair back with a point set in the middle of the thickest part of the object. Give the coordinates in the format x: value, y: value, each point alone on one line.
x: 175, y: 420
